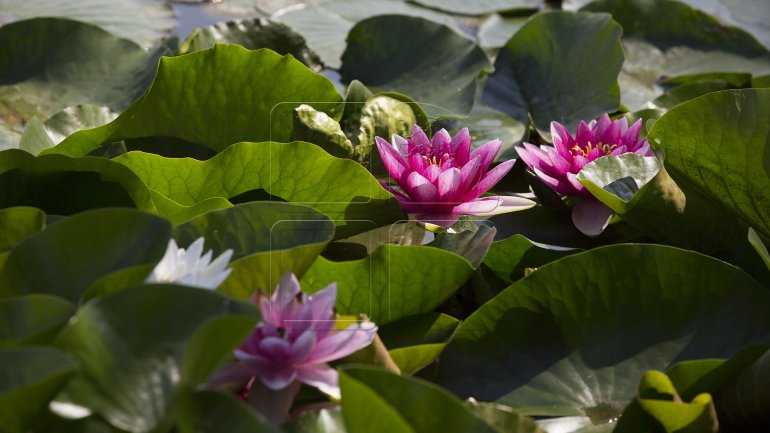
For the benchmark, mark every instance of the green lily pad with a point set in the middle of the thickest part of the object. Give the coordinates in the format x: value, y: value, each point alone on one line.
x: 440, y: 73
x: 17, y: 223
x: 252, y: 34
x: 751, y: 15
x: 47, y: 64
x: 559, y: 66
x: 640, y: 191
x: 481, y: 7
x: 32, y: 319
x: 45, y: 263
x: 380, y: 401
x: 666, y: 39
x: 395, y: 281
x: 72, y: 119
x: 742, y: 404
x: 142, y: 21
x: 297, y: 172
x: 510, y: 257
x: 29, y: 378
x: 61, y: 185
x: 691, y: 135
x: 214, y: 412
x: 325, y: 25
x: 248, y: 104
x: 759, y: 247
x: 267, y: 239
x: 132, y: 349
x: 574, y: 337
x: 322, y: 421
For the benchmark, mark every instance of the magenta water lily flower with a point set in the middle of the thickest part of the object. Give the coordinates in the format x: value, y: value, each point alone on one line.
x: 559, y: 165
x: 441, y: 178
x: 295, y: 341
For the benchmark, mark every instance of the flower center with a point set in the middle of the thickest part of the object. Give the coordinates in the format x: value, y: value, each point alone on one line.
x: 437, y: 160
x: 584, y: 152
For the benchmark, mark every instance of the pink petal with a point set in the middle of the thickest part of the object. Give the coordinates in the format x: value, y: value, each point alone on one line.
x: 440, y: 140
x: 562, y: 139
x: 578, y: 162
x: 431, y: 173
x: 278, y: 377
x: 339, y: 344
x: 601, y: 126
x: 406, y: 203
x: 449, y: 184
x: 561, y: 186
x: 584, y: 135
x: 401, y: 144
x: 322, y: 377
x: 492, y: 177
x: 417, y: 162
x: 393, y: 161
x: 322, y: 302
x: 418, y: 139
x: 631, y: 137
x: 420, y: 189
x: 613, y: 134
x: 470, y: 174
x: 302, y: 346
x: 461, y: 146
x: 559, y: 164
x: 487, y: 152
x: 591, y: 216
x: 580, y: 189
x: 276, y: 348
x: 619, y: 150
x: 494, y: 205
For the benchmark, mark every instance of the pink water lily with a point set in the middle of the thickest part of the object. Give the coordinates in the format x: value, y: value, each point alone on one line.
x: 559, y: 165
x: 295, y: 340
x: 441, y: 178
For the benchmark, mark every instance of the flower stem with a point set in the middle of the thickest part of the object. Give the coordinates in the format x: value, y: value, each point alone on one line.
x: 274, y: 405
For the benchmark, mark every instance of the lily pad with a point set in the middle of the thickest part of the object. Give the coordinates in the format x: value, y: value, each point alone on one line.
x: 395, y: 281
x: 440, y: 73
x: 481, y: 7
x: 142, y: 21
x: 574, y: 337
x: 559, y: 66
x: 691, y: 135
x: 32, y: 319
x: 130, y: 346
x: 16, y: 223
x: 44, y: 262
x: 47, y: 64
x: 297, y: 172
x: 250, y: 103
x: 252, y: 34
x: 511, y: 257
x: 29, y: 378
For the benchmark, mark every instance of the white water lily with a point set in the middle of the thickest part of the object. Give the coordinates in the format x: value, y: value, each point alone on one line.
x: 190, y: 268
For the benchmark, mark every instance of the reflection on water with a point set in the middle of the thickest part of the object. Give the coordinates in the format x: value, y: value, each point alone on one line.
x: 193, y: 15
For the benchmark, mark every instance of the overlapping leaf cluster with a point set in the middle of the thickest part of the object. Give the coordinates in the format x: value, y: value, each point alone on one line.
x: 257, y: 133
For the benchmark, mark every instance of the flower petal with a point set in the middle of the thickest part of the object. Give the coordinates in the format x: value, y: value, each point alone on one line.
x: 420, y: 189
x: 491, y: 178
x: 562, y: 139
x: 441, y: 140
x: 487, y: 152
x: 418, y: 140
x: 393, y: 161
x: 277, y: 377
x: 339, y: 344
x: 591, y: 216
x: 584, y: 135
x: 449, y: 185
x: 494, y: 205
x: 461, y: 146
x: 439, y: 219
x: 321, y: 376
x: 432, y: 173
x: 230, y: 374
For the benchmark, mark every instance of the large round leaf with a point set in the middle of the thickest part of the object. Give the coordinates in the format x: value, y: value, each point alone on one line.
x: 559, y: 66
x: 142, y: 21
x: 267, y: 239
x: 480, y: 7
x: 394, y: 282
x: 133, y: 349
x: 666, y: 39
x: 16, y: 223
x: 29, y: 378
x: 752, y: 16
x: 215, y: 412
x: 440, y: 72
x: 380, y: 401
x: 32, y: 319
x: 575, y: 336
x: 61, y: 185
x: 216, y: 97
x: 69, y: 256
x: 47, y: 64
x: 510, y: 258
x: 325, y: 25
x: 252, y: 34
x: 720, y: 144
x: 297, y: 172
